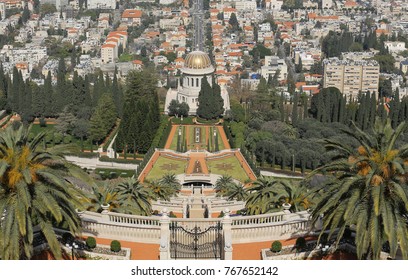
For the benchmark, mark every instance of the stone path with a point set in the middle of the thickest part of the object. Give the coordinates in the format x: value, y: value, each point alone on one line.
x: 170, y: 137
x: 200, y: 157
x: 224, y: 137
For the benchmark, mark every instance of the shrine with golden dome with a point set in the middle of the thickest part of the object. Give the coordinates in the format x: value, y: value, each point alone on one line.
x: 197, y: 64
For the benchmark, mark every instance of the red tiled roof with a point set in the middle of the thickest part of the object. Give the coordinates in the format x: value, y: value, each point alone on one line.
x: 130, y: 13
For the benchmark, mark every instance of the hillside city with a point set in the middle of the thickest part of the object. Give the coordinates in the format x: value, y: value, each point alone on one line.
x: 200, y: 129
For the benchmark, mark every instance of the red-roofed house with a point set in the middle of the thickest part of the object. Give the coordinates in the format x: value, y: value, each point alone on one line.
x: 132, y: 17
x: 137, y: 64
x: 228, y: 12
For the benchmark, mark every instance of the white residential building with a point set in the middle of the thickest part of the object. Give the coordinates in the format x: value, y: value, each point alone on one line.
x: 274, y: 5
x: 327, y: 4
x: 170, y: 23
x: 245, y: 5
x: 351, y: 76
x: 273, y: 64
x: 394, y: 47
x: 167, y: 2
x: 109, y: 53
x: 101, y: 4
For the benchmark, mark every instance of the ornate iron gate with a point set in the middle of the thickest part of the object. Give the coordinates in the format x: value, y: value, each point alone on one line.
x: 196, y: 242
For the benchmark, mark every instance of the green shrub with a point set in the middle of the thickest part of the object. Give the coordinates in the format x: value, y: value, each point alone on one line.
x: 172, y: 215
x: 300, y: 243
x: 119, y: 160
x: 221, y: 214
x: 43, y: 122
x: 91, y: 242
x: 57, y: 137
x: 115, y: 246
x: 276, y: 246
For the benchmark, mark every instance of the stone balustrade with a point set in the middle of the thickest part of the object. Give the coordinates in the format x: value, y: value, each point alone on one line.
x: 243, y: 229
x: 121, y: 226
x: 258, y: 219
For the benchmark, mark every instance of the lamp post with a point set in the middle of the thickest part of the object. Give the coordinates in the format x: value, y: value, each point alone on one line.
x: 72, y: 247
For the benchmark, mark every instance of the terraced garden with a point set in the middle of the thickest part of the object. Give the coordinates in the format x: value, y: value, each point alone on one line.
x: 205, y: 140
x: 228, y: 166
x: 165, y: 165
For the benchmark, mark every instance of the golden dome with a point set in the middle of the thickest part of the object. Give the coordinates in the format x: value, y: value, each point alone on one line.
x: 197, y: 60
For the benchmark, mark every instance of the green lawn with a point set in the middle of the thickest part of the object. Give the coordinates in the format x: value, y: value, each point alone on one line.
x: 125, y: 57
x: 190, y: 131
x: 188, y: 120
x: 212, y: 139
x: 203, y: 121
x: 173, y: 145
x: 202, y: 140
x: 228, y: 166
x: 166, y: 165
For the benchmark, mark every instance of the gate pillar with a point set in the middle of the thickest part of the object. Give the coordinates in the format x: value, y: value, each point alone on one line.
x: 165, y: 235
x: 226, y: 226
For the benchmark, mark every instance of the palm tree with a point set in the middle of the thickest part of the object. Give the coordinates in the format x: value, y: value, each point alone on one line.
x: 134, y: 197
x: 172, y: 182
x: 367, y: 190
x: 264, y: 195
x: 221, y: 185
x: 104, y: 195
x: 237, y: 191
x: 161, y: 191
x: 297, y: 197
x: 34, y: 193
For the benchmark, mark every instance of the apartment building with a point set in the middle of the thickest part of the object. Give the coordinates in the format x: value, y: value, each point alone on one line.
x: 351, y: 76
x: 272, y: 65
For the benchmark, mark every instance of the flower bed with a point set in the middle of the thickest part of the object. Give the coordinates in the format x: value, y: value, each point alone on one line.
x: 290, y: 253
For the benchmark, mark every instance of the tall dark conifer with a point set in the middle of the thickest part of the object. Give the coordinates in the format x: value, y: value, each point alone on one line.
x: 295, y: 109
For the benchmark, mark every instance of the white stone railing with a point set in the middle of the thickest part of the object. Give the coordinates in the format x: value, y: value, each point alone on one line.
x: 246, y: 229
x: 258, y: 219
x: 269, y: 232
x: 121, y: 226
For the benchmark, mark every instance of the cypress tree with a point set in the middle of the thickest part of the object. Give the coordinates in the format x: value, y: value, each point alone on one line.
x: 87, y: 93
x: 204, y: 99
x: 295, y: 109
x: 320, y: 107
x: 61, y: 86
x: 178, y: 149
x: 49, y: 100
x: 282, y: 108
x: 117, y: 94
x: 342, y: 109
x: 26, y: 103
x: 305, y: 107
x: 394, y: 110
x: 103, y: 118
x: 373, y: 109
x: 13, y: 94
x: 3, y: 80
x: 108, y: 85
x: 38, y: 101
